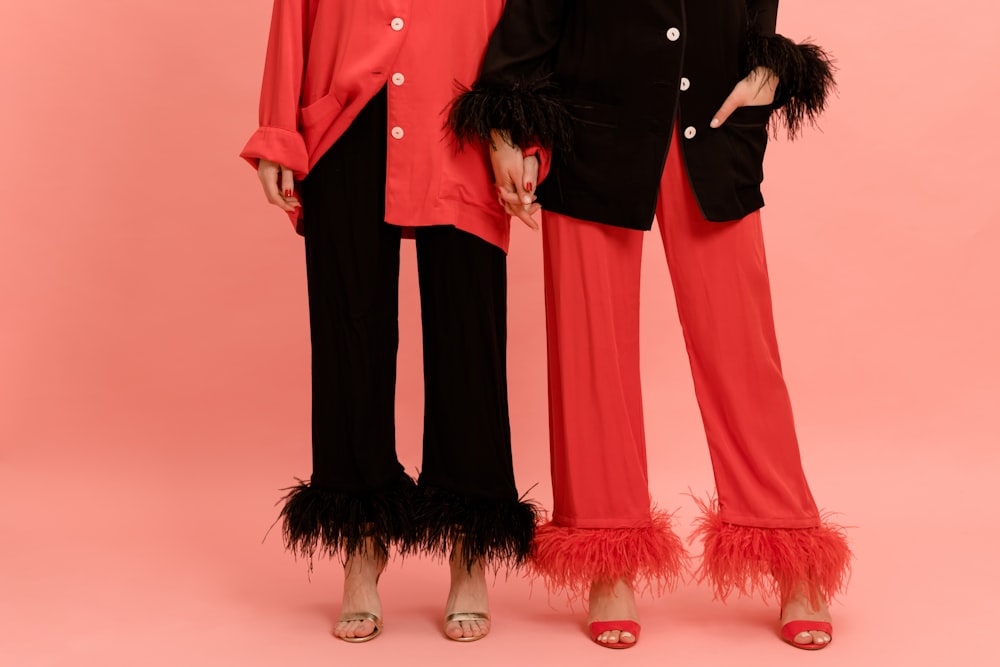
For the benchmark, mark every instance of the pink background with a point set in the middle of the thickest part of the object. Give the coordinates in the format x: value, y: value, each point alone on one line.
x: 154, y: 357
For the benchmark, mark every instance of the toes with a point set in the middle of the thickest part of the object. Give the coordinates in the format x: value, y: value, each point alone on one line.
x: 364, y: 628
x: 343, y: 629
x: 475, y: 628
x: 812, y: 637
x: 353, y: 629
x: 616, y: 637
x: 467, y: 629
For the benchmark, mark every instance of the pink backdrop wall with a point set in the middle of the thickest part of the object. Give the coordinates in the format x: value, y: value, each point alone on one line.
x: 153, y: 330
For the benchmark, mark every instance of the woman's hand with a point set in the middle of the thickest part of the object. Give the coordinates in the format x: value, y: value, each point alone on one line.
x: 279, y: 185
x: 516, y: 177
x: 757, y: 89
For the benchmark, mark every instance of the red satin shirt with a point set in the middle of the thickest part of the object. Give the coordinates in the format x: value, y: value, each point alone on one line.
x: 326, y: 60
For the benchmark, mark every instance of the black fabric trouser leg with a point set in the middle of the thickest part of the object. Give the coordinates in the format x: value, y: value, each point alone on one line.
x: 468, y: 495
x: 463, y: 303
x: 352, y: 266
x: 358, y: 488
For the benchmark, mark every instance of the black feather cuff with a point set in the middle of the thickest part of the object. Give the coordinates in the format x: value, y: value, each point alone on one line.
x: 328, y: 522
x: 805, y: 77
x: 494, y: 531
x: 530, y: 113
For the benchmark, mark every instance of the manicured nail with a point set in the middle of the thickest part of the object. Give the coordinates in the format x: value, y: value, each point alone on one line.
x: 288, y: 193
x: 715, y: 123
x: 529, y: 186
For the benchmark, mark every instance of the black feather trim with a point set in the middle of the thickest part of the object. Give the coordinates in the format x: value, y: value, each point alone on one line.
x: 498, y: 532
x: 321, y: 521
x: 805, y: 77
x: 531, y: 114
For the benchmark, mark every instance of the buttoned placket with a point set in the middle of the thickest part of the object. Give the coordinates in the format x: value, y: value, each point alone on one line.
x: 398, y: 79
x: 673, y: 34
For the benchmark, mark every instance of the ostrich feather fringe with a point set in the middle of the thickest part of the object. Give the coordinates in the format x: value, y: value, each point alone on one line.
x: 569, y: 559
x: 317, y: 521
x: 498, y: 532
x: 805, y: 77
x: 768, y: 561
x: 530, y: 112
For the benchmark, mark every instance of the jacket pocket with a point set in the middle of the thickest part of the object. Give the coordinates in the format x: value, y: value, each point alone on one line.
x: 592, y: 113
x: 320, y: 112
x: 752, y: 115
x: 746, y: 132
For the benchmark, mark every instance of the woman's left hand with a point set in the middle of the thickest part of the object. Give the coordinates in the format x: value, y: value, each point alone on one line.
x: 757, y: 89
x: 516, y: 177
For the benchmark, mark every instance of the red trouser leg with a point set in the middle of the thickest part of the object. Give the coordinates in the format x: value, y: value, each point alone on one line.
x: 595, y: 399
x: 767, y: 530
x: 603, y: 528
x: 765, y: 533
x: 723, y: 300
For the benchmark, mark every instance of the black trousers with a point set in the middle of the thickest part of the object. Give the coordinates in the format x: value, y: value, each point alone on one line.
x: 466, y: 493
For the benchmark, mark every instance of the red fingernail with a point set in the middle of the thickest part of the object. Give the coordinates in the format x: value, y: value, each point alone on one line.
x: 529, y: 186
x: 288, y: 193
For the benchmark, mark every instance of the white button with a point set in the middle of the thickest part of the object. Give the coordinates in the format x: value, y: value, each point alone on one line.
x: 689, y: 132
x: 397, y: 24
x: 673, y: 34
x: 398, y: 79
x: 397, y: 132
x: 685, y: 83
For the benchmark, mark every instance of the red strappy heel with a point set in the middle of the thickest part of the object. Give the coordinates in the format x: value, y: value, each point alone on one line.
x: 597, y: 628
x: 792, y: 628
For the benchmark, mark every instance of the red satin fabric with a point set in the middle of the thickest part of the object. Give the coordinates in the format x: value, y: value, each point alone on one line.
x: 720, y: 280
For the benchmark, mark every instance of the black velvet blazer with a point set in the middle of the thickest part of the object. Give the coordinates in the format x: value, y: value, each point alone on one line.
x: 600, y: 82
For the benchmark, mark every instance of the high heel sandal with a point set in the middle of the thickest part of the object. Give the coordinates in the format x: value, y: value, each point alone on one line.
x: 597, y: 628
x: 382, y: 555
x: 362, y: 616
x: 790, y: 630
x: 459, y: 616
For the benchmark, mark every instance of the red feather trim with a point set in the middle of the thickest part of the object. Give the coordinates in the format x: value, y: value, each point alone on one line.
x: 771, y: 561
x: 569, y: 559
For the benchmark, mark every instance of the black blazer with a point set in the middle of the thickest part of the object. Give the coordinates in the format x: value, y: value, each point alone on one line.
x: 601, y: 82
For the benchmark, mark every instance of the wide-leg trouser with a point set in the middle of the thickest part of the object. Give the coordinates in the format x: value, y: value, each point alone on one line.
x: 765, y: 530
x: 466, y: 494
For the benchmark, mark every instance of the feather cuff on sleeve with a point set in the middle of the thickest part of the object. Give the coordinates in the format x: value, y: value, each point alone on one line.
x: 531, y: 113
x: 805, y: 77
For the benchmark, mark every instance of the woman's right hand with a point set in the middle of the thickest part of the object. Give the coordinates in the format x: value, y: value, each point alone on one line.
x: 279, y: 185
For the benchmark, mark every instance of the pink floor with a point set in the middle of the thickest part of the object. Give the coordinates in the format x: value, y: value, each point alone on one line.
x: 154, y: 361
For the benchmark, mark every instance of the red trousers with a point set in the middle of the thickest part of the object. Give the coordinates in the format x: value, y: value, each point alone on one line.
x: 765, y: 529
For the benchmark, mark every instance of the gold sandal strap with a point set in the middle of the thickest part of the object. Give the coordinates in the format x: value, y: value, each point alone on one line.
x: 466, y: 616
x: 361, y: 616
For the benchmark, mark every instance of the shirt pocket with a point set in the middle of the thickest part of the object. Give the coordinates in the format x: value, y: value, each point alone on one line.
x: 318, y: 115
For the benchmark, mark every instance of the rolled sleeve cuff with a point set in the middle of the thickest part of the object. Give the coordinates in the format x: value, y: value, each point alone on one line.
x: 544, y: 160
x: 276, y: 144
